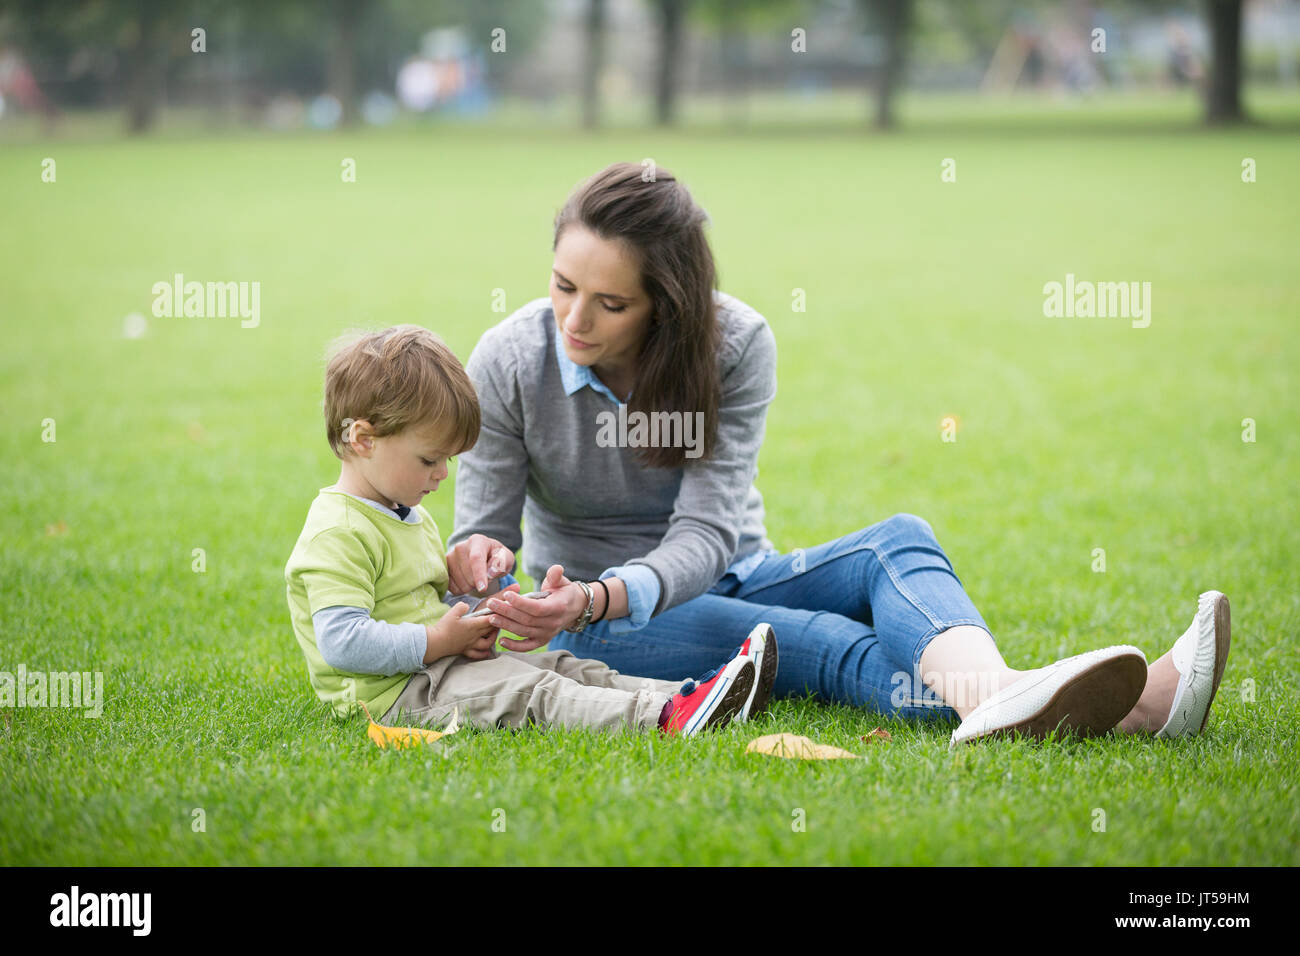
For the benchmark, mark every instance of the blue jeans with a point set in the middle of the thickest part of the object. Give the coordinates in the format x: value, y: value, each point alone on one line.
x: 851, y: 617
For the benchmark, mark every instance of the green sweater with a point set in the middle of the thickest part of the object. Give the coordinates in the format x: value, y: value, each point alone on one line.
x: 353, y: 555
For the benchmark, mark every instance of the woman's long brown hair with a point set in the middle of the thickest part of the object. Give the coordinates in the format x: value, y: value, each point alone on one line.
x: 677, y: 370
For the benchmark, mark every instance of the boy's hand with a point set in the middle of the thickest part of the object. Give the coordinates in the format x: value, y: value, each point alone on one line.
x: 475, y: 562
x: 455, y: 633
x: 482, y: 647
x: 538, y: 621
x: 472, y: 637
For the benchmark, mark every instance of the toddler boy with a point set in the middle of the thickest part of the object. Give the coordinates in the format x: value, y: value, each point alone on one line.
x: 367, y: 578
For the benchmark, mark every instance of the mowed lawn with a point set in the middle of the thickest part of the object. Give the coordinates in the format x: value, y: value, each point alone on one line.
x: 924, y: 301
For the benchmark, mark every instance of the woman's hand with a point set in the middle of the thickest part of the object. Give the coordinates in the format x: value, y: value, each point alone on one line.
x: 537, y: 621
x: 476, y: 561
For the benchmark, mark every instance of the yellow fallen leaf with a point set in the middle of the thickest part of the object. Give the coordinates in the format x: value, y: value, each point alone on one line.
x: 401, y: 737
x: 796, y: 748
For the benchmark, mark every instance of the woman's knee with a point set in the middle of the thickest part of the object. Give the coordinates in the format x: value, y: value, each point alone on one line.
x: 910, y: 525
x: 892, y: 533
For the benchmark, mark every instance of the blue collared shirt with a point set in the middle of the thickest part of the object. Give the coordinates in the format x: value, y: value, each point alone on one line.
x: 643, y: 587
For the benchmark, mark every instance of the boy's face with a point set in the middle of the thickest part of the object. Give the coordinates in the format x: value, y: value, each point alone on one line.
x: 403, y: 467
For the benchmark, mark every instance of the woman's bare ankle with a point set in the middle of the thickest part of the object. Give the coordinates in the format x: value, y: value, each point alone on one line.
x: 964, y: 692
x: 964, y: 667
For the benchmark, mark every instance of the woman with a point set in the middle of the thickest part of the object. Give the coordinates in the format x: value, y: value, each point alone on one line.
x: 622, y: 420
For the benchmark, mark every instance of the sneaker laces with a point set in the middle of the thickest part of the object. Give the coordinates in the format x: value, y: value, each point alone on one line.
x: 690, y: 686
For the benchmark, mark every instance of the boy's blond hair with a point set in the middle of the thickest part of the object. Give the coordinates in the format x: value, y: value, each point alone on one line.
x: 401, y: 377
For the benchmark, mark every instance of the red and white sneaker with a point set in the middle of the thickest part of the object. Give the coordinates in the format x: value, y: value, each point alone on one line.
x: 759, y: 647
x: 712, y: 700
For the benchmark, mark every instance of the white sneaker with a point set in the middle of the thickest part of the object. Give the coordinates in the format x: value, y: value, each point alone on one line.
x: 1200, y: 655
x: 1087, y: 694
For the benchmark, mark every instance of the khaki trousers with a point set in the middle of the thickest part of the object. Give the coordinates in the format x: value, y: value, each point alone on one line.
x: 549, y: 689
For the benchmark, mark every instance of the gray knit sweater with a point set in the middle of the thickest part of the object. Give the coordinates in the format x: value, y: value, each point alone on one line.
x: 590, y: 507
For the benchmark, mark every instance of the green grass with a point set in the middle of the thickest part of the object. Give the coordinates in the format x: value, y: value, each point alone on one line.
x: 924, y: 300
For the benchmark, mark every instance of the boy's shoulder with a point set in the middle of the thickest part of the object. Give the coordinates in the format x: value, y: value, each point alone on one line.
x: 335, y: 513
x: 334, y: 510
x: 334, y: 517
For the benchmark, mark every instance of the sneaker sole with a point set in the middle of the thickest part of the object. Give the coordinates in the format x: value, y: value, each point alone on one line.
x: 765, y: 664
x: 1178, y: 724
x: 1222, y: 640
x: 1086, y: 705
x: 725, y: 698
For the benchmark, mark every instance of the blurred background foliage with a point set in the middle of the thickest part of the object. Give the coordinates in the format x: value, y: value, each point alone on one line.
x: 342, y: 62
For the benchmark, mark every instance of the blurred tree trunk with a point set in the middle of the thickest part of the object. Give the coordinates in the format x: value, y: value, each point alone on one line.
x: 593, y: 64
x: 342, y: 66
x: 894, y: 18
x: 734, y: 50
x: 671, y: 15
x: 146, y: 57
x: 1223, y: 86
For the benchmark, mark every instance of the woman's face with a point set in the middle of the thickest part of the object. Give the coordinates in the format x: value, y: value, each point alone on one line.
x: 600, y: 307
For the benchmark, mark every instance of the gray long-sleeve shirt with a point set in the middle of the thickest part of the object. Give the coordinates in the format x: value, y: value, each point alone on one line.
x: 590, y: 505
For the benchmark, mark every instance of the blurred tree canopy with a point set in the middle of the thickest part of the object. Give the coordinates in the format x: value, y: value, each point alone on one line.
x: 110, y: 52
x: 135, y: 53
